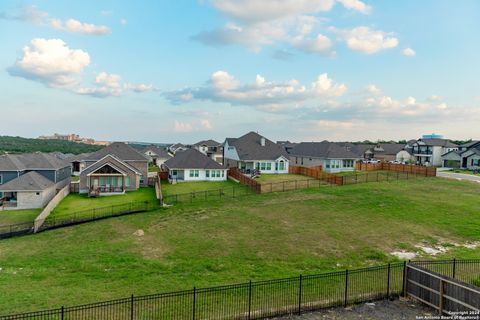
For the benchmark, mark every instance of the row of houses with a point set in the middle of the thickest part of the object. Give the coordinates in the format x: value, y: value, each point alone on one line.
x: 31, y: 180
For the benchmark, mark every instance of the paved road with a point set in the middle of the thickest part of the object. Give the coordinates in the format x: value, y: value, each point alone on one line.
x: 458, y: 176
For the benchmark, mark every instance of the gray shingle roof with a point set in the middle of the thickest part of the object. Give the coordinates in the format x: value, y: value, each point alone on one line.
x: 208, y: 143
x: 160, y: 152
x: 326, y: 150
x: 192, y: 159
x: 120, y: 150
x: 249, y: 147
x: 30, y: 161
x: 31, y: 181
x: 470, y: 144
x: 390, y: 148
x: 109, y: 159
x: 439, y: 142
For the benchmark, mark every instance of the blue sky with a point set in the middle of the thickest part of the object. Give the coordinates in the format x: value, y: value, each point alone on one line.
x: 166, y: 71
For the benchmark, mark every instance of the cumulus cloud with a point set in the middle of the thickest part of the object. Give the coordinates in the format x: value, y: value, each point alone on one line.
x: 366, y: 40
x: 51, y: 62
x: 409, y: 52
x: 255, y: 24
x: 206, y: 124
x: 356, y: 5
x: 32, y: 14
x: 73, y: 25
x: 182, y: 127
x: 262, y: 94
x: 110, y: 85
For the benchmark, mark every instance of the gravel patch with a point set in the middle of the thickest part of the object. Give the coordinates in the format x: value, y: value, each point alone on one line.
x: 403, y: 309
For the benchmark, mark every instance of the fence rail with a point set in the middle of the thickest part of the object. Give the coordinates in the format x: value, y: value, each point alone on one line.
x: 249, y: 300
x: 77, y: 217
x: 414, y: 169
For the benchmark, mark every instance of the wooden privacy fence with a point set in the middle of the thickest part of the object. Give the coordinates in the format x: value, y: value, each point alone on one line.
x: 317, y: 173
x: 414, y: 169
x: 445, y: 294
x: 236, y: 174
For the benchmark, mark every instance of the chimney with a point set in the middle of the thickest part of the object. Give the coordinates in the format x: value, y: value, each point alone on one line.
x: 262, y: 142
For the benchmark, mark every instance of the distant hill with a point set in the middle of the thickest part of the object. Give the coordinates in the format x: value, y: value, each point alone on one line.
x: 24, y: 145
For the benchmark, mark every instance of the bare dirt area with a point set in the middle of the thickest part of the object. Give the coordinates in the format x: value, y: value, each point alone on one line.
x: 403, y: 309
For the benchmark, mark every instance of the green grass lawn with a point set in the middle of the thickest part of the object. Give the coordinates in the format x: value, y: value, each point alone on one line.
x: 268, y: 178
x: 187, y: 187
x: 9, y: 217
x: 257, y: 237
x: 75, y: 178
x: 153, y: 169
x: 75, y: 202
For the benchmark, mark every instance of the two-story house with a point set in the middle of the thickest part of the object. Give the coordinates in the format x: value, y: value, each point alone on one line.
x: 467, y: 156
x: 429, y: 151
x: 253, y: 152
x: 211, y: 149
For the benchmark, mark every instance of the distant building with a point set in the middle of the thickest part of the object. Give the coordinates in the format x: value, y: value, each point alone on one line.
x: 74, y: 138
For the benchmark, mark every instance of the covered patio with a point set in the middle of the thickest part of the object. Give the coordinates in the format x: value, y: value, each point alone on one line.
x: 107, y: 180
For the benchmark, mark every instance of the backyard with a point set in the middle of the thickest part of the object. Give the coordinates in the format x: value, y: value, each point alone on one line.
x: 273, y: 178
x: 257, y: 237
x: 188, y: 187
x: 9, y: 217
x: 75, y: 202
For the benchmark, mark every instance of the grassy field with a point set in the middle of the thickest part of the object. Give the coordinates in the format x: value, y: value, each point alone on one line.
x: 256, y: 237
x: 272, y: 178
x: 18, y: 216
x: 75, y: 202
x: 187, y: 187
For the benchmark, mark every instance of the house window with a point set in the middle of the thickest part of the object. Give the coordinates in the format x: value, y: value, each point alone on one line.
x: 281, y: 165
x: 127, y: 181
x: 207, y: 173
x: 197, y: 173
x: 269, y: 166
x: 218, y: 173
x: 194, y: 173
x: 141, y: 179
x: 327, y: 164
x: 223, y: 173
x: 262, y: 166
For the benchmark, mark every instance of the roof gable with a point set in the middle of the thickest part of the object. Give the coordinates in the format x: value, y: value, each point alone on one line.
x: 249, y: 147
x: 192, y: 159
x: 114, y: 161
x: 120, y: 150
x: 31, y: 181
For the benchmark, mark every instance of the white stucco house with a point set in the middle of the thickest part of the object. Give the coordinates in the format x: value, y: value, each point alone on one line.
x: 253, y: 152
x: 192, y: 165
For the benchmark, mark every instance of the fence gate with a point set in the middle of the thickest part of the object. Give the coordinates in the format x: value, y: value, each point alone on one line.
x: 445, y: 294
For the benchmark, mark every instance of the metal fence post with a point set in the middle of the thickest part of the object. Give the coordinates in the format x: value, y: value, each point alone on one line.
x: 249, y: 299
x: 440, y: 301
x: 300, y: 295
x: 63, y: 312
x: 454, y: 267
x: 194, y: 302
x: 404, y: 276
x: 131, y: 308
x: 346, y: 288
x: 388, y: 281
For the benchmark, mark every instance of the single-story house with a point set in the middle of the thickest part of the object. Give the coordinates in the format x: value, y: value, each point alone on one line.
x: 465, y: 159
x: 253, y: 152
x: 157, y: 156
x: 114, y: 169
x: 331, y: 156
x: 14, y: 166
x: 29, y: 191
x: 210, y: 148
x: 192, y: 165
x: 384, y: 151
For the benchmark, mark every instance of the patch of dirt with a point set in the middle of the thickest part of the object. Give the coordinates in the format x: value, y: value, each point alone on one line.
x: 404, y: 255
x: 433, y: 251
x: 139, y: 233
x: 394, y: 310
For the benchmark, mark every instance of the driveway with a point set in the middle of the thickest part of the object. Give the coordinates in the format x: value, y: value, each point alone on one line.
x: 458, y: 176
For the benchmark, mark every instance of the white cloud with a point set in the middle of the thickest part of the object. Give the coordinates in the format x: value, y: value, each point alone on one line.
x: 409, y: 52
x: 334, y: 124
x: 255, y: 24
x: 76, y: 26
x: 366, y: 40
x: 110, y: 85
x: 262, y: 94
x: 52, y: 62
x: 206, y: 124
x: 373, y: 89
x: 356, y: 5
x: 182, y: 127
x: 32, y: 14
